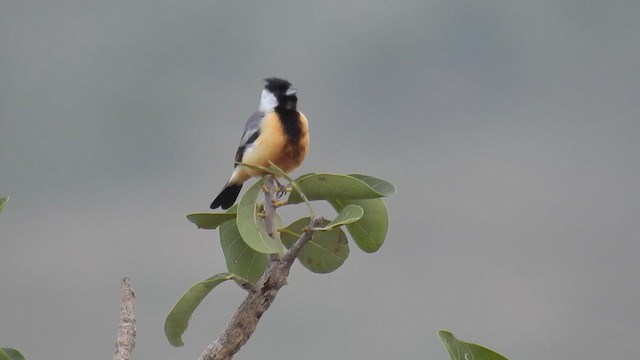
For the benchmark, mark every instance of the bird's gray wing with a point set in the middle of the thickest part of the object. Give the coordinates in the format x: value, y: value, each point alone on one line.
x: 250, y: 134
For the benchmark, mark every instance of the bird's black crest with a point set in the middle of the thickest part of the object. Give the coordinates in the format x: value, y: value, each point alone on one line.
x: 277, y: 86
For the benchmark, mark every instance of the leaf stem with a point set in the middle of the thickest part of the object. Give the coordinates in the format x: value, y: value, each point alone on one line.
x: 277, y: 171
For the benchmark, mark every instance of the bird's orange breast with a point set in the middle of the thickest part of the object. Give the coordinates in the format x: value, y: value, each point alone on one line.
x: 276, y: 146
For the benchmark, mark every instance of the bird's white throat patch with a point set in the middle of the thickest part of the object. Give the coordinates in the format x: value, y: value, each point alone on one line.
x: 268, y: 101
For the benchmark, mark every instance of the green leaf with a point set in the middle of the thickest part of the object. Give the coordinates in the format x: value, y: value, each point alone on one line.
x: 178, y: 319
x: 348, y: 214
x: 460, y: 350
x: 241, y: 259
x: 210, y: 220
x: 380, y: 186
x: 334, y: 186
x: 3, y: 202
x: 370, y: 231
x: 326, y: 251
x: 251, y: 224
x: 256, y: 168
x: 9, y: 353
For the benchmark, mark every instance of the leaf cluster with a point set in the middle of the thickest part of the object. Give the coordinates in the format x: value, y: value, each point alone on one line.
x: 361, y: 215
x: 246, y: 244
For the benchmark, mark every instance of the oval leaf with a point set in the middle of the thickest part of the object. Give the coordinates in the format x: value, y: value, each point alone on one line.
x: 251, y: 225
x: 178, y: 319
x: 210, y: 220
x: 332, y: 187
x: 348, y: 214
x: 240, y: 258
x: 326, y: 251
x: 370, y: 231
x: 10, y: 354
x: 382, y: 187
x: 3, y: 202
x: 460, y: 350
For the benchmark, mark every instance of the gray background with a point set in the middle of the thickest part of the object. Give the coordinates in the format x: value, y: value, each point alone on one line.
x: 510, y: 129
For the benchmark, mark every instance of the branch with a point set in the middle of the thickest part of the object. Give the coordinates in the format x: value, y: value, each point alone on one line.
x: 126, y: 340
x: 269, y: 209
x: 243, y: 323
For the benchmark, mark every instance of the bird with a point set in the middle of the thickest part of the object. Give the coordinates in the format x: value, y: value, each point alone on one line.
x: 277, y: 132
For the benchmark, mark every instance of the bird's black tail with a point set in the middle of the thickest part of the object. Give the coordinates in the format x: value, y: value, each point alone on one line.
x: 227, y: 196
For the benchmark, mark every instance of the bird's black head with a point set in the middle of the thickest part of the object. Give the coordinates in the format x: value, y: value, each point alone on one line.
x: 284, y: 93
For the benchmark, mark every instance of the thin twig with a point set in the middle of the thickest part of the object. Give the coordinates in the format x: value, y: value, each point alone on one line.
x: 243, y: 323
x: 126, y: 340
x: 269, y: 209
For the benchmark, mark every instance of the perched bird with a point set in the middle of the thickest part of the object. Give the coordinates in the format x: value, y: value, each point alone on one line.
x: 277, y: 132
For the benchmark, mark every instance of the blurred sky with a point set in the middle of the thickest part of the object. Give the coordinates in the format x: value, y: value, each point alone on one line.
x: 510, y: 129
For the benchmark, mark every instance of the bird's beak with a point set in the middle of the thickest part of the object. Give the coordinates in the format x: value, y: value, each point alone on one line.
x: 291, y: 91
